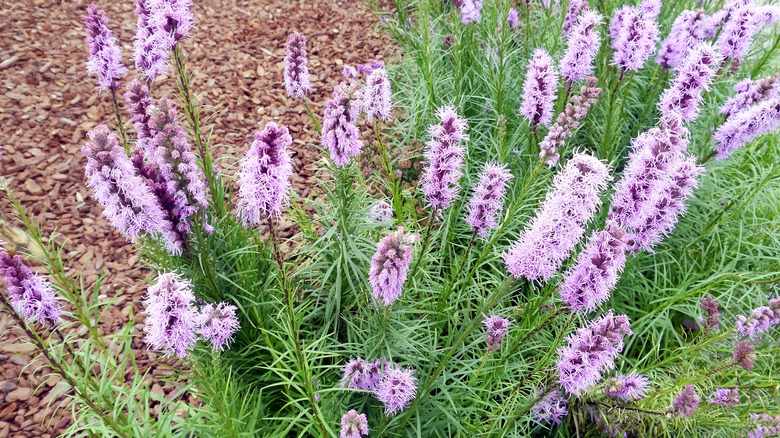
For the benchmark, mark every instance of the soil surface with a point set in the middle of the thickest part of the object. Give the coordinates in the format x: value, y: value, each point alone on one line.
x: 48, y: 104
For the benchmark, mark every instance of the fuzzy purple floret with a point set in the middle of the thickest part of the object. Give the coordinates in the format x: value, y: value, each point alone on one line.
x: 748, y: 92
x: 31, y: 295
x: 296, y: 72
x: 363, y: 375
x: 139, y: 100
x: 738, y: 32
x: 152, y: 45
x: 560, y: 222
x: 694, y: 76
x: 745, y: 126
x: 496, y: 328
x: 470, y: 11
x: 377, y: 104
x: 513, y: 19
x: 218, y: 324
x: 551, y: 408
x: 627, y: 387
x: 444, y: 155
x: 576, y: 7
x: 539, y: 89
x: 397, y: 389
x: 582, y: 46
x: 353, y: 425
x: 634, y: 34
x: 488, y: 198
x: 264, y: 175
x: 725, y: 397
x: 172, y: 319
x: 686, y: 403
x: 389, y: 266
x: 105, y: 55
x: 760, y: 320
x: 381, y: 212
x: 685, y: 34
x: 339, y: 125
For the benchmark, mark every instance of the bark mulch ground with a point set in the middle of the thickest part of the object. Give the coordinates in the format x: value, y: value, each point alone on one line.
x: 48, y: 104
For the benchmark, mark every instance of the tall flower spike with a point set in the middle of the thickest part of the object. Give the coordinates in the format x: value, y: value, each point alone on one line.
x: 173, y: 17
x: 444, y: 155
x: 745, y: 126
x: 353, y: 425
x: 627, y: 387
x: 488, y: 198
x: 567, y: 122
x: 686, y: 403
x: 105, y: 56
x: 551, y: 408
x: 397, y: 389
x: 376, y: 96
x: 685, y: 34
x: 127, y: 202
x: 748, y: 92
x: 513, y: 19
x: 589, y: 282
x: 470, y: 11
x: 496, y: 328
x: 296, y: 72
x: 539, y: 89
x: 760, y: 320
x: 30, y: 294
x: 744, y: 355
x: 139, y: 100
x: 710, y: 306
x: 738, y: 32
x: 573, y: 13
x: 264, y: 175
x: 172, y: 320
x: 634, y: 35
x: 339, y: 126
x: 582, y: 46
x: 381, y: 212
x: 694, y: 77
x: 389, y: 265
x: 218, y: 324
x: 560, y: 222
x: 725, y: 397
x: 152, y: 45
x: 590, y: 352
x: 362, y: 375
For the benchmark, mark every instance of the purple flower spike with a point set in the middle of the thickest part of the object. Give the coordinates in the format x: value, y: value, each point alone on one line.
x: 590, y: 352
x: 582, y: 46
x: 496, y: 328
x: 725, y: 397
x: 349, y: 72
x: 767, y: 425
x: 173, y: 17
x: 444, y: 155
x: 139, y: 100
x: 744, y: 355
x: 627, y: 388
x: 218, y: 324
x: 576, y: 7
x: 381, y: 212
x: 296, y: 72
x: 513, y: 19
x: 264, y: 176
x: 745, y: 126
x: 685, y: 34
x: 470, y: 11
x: 376, y: 96
x: 634, y: 35
x: 738, y: 32
x: 560, y: 222
x: 30, y: 294
x: 368, y: 68
x: 339, y: 126
x: 397, y: 388
x: 686, y: 403
x: 568, y: 121
x: 353, y: 425
x: 389, y: 265
x: 172, y: 320
x: 152, y: 45
x: 362, y: 375
x: 105, y: 56
x: 761, y: 319
x: 749, y: 92
x: 768, y: 14
x: 710, y: 306
x: 488, y: 198
x: 589, y: 282
x: 551, y: 408
x: 695, y: 75
x: 539, y: 89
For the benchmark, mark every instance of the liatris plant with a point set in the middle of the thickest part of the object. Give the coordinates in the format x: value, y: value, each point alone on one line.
x: 390, y: 265
x: 541, y: 84
x: 339, y: 127
x: 30, y: 295
x: 634, y: 34
x: 105, y: 56
x: 725, y: 397
x: 296, y: 70
x: 567, y: 122
x: 686, y: 403
x: 627, y: 387
x: 582, y: 47
x: 487, y: 199
x: 445, y: 154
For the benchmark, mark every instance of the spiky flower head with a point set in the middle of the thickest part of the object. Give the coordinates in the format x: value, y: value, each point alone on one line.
x: 376, y: 96
x: 361, y: 374
x: 589, y: 282
x: 710, y: 307
x: 31, y: 295
x: 218, y: 324
x: 539, y: 89
x: 745, y: 126
x: 296, y: 72
x: 573, y: 13
x: 444, y: 155
x: 582, y: 46
x: 694, y: 76
x: 591, y: 351
x: 685, y: 34
x: 738, y: 31
x: 551, y: 408
x: 397, y: 389
x: 152, y: 45
x: 725, y: 397
x: 172, y: 319
x: 381, y: 212
x: 488, y: 198
x: 389, y: 266
x: 496, y: 328
x: 173, y: 17
x: 560, y: 222
x: 264, y: 175
x: 760, y: 320
x: 105, y: 55
x: 686, y: 403
x: 470, y: 11
x: 627, y: 387
x: 748, y: 92
x: 353, y: 425
x: 139, y: 100
x: 634, y: 34
x: 339, y: 125
x: 744, y: 355
x: 513, y: 19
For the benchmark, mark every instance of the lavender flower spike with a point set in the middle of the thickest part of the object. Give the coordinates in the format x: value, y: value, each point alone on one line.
x: 296, y: 72
x: 513, y: 19
x: 591, y: 351
x: 627, y: 388
x: 582, y: 46
x: 381, y: 212
x: 745, y: 126
x: 389, y: 265
x: 738, y: 31
x: 573, y: 13
x: 634, y: 35
x: 589, y: 282
x: 339, y: 126
x: 725, y: 397
x: 488, y: 198
x: 539, y: 89
x: 749, y: 92
x: 686, y: 32
x: 264, y: 175
x: 550, y: 237
x: 105, y: 56
x: 353, y: 425
x: 362, y: 375
x: 694, y: 76
x: 761, y: 319
x: 496, y: 328
x: 568, y: 121
x: 710, y: 306
x: 172, y: 320
x: 140, y: 100
x: 444, y: 155
x: 744, y: 355
x: 173, y: 17
x: 218, y: 324
x: 152, y: 45
x: 31, y: 295
x: 551, y: 408
x: 397, y: 388
x: 686, y: 403
x: 376, y: 96
x: 470, y: 11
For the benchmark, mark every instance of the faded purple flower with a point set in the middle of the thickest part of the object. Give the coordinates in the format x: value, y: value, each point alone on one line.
x: 30, y: 294
x: 725, y: 397
x: 760, y: 320
x: 353, y: 425
x: 768, y: 425
x: 488, y: 198
x: 582, y: 46
x: 296, y: 72
x: 444, y: 155
x: 768, y: 14
x: 686, y: 403
x: 376, y: 96
x: 496, y: 328
x: 744, y: 355
x: 362, y: 375
x: 389, y: 265
x: 745, y: 126
x: 694, y: 76
x: 349, y: 72
x: 560, y: 221
x: 105, y: 55
x: 264, y: 175
x: 551, y: 408
x: 539, y: 89
x: 369, y: 67
x: 381, y: 212
x: 513, y: 19
x: 397, y: 388
x: 470, y: 11
x: 172, y: 319
x: 710, y: 307
x: 218, y: 324
x: 627, y: 387
x: 634, y: 35
x: 685, y: 34
x: 339, y: 126
x: 749, y: 92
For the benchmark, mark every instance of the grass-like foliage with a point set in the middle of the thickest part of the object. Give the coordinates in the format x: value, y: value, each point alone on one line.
x: 549, y: 226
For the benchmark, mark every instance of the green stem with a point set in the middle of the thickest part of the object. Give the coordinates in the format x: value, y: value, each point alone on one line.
x: 120, y: 123
x: 425, y: 241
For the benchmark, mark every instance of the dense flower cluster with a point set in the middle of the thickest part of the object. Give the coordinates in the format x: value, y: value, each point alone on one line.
x: 172, y: 319
x: 761, y: 319
x: 488, y: 198
x: 105, y: 55
x: 376, y: 96
x: 749, y: 92
x: 353, y: 425
x: 744, y: 355
x: 31, y: 296
x: 551, y: 408
x: 217, y: 324
x: 397, y: 388
x: 339, y: 126
x: 296, y: 73
x: 694, y: 76
x: 582, y: 46
x: 444, y: 154
x: 140, y: 100
x: 539, y: 89
x: 574, y: 10
x: 768, y: 425
x: 160, y: 25
x: 725, y: 397
x: 568, y: 121
x: 687, y: 31
x: 745, y: 126
x: 470, y: 11
x: 496, y: 328
x: 389, y: 266
x: 634, y: 33
x: 686, y: 403
x: 627, y: 387
x: 363, y: 375
x: 710, y: 306
x: 738, y: 31
x: 550, y: 237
